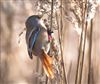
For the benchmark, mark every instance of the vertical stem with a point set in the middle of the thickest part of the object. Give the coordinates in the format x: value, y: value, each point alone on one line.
x: 46, y: 82
x: 61, y: 30
x: 82, y: 59
x: 61, y: 25
x: 58, y: 35
x: 90, y: 51
x: 81, y: 47
x: 51, y: 14
x: 50, y: 29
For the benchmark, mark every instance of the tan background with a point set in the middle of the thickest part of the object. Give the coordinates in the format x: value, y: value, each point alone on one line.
x: 15, y: 65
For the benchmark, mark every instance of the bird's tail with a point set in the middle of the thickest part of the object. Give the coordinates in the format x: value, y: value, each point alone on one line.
x: 47, y: 64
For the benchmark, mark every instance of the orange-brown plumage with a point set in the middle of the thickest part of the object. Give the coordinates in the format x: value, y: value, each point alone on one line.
x: 47, y: 64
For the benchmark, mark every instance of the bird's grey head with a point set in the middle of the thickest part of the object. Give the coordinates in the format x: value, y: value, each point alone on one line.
x: 33, y: 21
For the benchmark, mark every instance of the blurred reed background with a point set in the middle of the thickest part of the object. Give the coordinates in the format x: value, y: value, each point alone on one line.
x: 15, y: 65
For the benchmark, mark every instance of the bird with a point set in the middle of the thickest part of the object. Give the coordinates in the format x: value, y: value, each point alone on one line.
x: 38, y: 42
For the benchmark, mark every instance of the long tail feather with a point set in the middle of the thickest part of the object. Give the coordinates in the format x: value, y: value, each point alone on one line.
x: 47, y: 61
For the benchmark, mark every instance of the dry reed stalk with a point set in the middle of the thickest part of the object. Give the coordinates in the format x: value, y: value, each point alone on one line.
x: 58, y: 33
x: 81, y: 47
x: 63, y: 68
x: 90, y: 51
x: 51, y: 14
x: 89, y: 14
x: 46, y: 82
x: 60, y: 40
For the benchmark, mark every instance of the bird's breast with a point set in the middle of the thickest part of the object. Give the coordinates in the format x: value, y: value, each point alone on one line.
x: 41, y: 43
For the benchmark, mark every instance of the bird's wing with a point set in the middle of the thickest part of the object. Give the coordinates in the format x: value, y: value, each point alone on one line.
x: 32, y: 39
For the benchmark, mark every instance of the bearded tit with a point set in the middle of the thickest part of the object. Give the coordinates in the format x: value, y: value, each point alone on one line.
x: 38, y: 44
